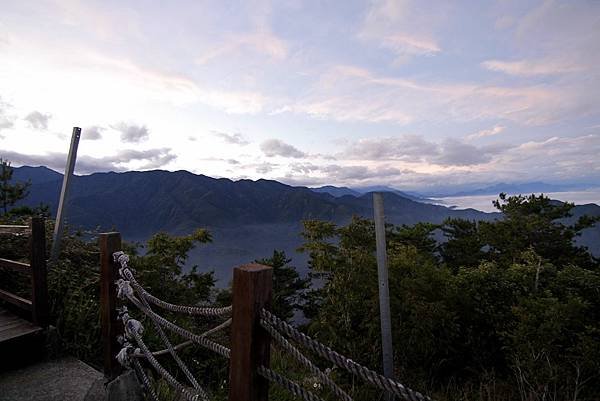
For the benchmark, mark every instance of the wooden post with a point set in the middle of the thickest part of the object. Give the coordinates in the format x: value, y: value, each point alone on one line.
x: 39, y: 283
x: 250, y: 343
x: 384, y: 292
x: 111, y: 327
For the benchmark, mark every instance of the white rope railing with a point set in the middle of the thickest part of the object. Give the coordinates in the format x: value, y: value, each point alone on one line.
x: 127, y: 288
x: 370, y: 376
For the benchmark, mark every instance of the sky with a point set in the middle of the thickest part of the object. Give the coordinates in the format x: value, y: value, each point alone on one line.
x: 409, y: 94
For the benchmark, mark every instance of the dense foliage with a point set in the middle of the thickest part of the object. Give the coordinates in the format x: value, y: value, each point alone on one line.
x: 505, y: 309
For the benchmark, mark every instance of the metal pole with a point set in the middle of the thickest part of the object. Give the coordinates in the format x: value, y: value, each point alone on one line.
x: 64, y: 193
x: 384, y: 293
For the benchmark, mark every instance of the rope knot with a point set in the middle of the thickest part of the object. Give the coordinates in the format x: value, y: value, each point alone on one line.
x: 121, y: 257
x: 133, y: 327
x: 124, y: 290
x: 123, y: 357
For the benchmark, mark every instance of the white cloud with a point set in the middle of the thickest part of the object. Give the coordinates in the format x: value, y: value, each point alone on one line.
x: 497, y: 129
x: 347, y: 93
x: 400, y: 27
x: 531, y: 67
x: 263, y: 43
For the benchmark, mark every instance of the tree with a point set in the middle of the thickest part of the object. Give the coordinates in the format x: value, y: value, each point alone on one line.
x: 463, y: 245
x: 10, y: 193
x: 537, y: 223
x: 287, y: 285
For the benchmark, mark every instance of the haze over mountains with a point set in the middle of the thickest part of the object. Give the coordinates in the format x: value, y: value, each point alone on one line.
x: 248, y: 219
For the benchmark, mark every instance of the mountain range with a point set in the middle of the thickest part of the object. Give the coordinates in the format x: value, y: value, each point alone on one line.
x: 247, y: 219
x: 359, y: 191
x: 521, y: 188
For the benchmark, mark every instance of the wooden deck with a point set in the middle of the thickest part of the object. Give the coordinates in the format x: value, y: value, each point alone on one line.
x: 13, y: 327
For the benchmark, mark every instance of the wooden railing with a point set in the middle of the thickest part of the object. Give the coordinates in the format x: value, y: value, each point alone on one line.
x: 37, y: 305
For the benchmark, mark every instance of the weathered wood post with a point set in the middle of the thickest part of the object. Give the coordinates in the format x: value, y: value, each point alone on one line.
x: 250, y: 343
x: 64, y: 195
x: 111, y: 327
x: 39, y: 282
x: 384, y: 292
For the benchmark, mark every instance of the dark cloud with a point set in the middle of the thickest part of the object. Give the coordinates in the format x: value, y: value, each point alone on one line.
x: 151, y: 158
x: 132, y: 133
x: 233, y: 161
x: 93, y: 133
x: 275, y: 147
x: 38, y: 120
x: 236, y: 139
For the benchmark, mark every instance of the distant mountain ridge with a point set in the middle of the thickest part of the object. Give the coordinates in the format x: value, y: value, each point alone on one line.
x: 523, y: 188
x: 357, y: 192
x: 248, y: 219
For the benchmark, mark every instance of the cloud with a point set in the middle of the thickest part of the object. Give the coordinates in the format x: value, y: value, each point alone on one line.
x: 348, y: 93
x: 276, y: 147
x: 38, y: 120
x: 457, y: 153
x: 400, y: 27
x: 531, y: 67
x: 497, y: 129
x: 6, y: 120
x: 411, y: 148
x: 555, y: 159
x: 236, y: 138
x: 416, y: 149
x: 263, y: 43
x: 303, y: 168
x: 132, y: 133
x: 93, y: 132
x: 121, y: 161
x: 264, y: 168
x: 410, y: 45
x: 338, y: 174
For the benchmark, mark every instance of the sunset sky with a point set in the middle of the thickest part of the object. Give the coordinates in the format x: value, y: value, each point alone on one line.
x: 415, y: 95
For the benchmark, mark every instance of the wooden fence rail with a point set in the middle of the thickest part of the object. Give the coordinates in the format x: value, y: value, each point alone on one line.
x: 37, y: 305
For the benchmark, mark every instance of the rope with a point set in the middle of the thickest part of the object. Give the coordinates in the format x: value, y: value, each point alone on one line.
x: 125, y: 291
x: 184, y: 344
x: 123, y: 259
x: 287, y: 346
x: 133, y: 330
x: 287, y: 384
x: 199, y: 339
x: 324, y: 351
x: 144, y: 379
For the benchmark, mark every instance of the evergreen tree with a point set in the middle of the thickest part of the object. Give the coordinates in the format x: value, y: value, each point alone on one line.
x: 10, y: 193
x: 288, y: 287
